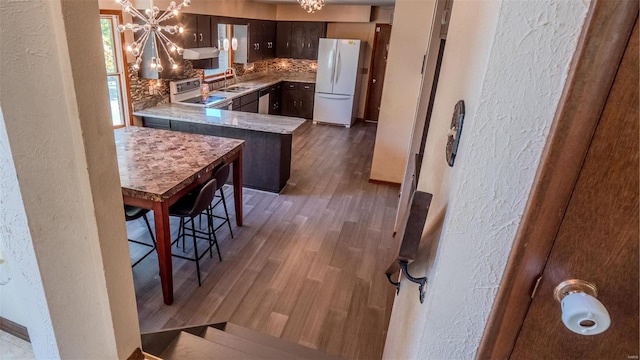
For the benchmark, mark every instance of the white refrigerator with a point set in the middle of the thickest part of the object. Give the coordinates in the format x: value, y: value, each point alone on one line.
x: 337, y: 81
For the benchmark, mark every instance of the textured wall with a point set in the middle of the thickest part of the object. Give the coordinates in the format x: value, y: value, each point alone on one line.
x: 64, y: 156
x: 509, y: 61
x: 403, y: 80
x: 22, y: 300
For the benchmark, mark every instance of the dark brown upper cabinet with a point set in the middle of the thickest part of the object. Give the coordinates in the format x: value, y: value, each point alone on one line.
x: 200, y: 31
x: 298, y: 39
x: 283, y: 43
x: 269, y: 38
x: 260, y: 39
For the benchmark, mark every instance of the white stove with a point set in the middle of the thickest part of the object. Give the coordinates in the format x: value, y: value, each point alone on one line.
x: 187, y: 92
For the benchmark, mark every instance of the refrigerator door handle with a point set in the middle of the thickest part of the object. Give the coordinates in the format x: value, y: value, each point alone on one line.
x: 337, y: 67
x: 333, y: 96
x: 332, y: 65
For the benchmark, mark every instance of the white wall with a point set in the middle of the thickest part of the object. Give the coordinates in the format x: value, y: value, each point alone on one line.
x: 508, y: 60
x: 403, y: 79
x: 22, y: 299
x: 59, y: 132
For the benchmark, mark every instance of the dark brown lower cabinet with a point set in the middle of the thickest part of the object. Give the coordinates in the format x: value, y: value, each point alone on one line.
x: 275, y: 99
x: 251, y: 107
x: 266, y: 159
x: 297, y: 99
x: 247, y: 103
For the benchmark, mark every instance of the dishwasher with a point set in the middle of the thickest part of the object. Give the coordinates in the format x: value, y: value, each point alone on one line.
x: 263, y: 101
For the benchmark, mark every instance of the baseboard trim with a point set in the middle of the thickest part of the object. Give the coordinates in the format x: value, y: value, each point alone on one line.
x: 14, y: 329
x: 137, y: 354
x: 382, y: 182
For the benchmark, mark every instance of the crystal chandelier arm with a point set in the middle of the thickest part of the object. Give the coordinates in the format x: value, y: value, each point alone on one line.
x: 164, y: 38
x: 135, y: 13
x: 143, y: 43
x: 169, y: 13
x: 152, y: 19
x: 155, y: 46
x: 171, y: 61
x: 170, y: 43
x: 166, y: 16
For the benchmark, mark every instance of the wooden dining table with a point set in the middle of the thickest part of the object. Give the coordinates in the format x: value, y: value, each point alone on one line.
x: 157, y: 167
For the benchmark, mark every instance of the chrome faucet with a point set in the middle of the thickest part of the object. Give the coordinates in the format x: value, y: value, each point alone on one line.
x: 233, y: 72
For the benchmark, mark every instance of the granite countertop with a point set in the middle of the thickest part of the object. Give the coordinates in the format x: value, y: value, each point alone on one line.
x: 235, y: 119
x: 276, y: 77
x: 264, y: 81
x: 156, y: 164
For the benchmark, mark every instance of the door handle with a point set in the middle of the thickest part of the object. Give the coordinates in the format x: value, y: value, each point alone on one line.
x: 195, y: 37
x: 582, y: 313
x: 287, y: 44
x: 201, y: 38
x: 375, y: 81
x: 295, y: 103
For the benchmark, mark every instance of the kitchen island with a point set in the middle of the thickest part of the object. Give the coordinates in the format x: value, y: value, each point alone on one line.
x: 267, y: 153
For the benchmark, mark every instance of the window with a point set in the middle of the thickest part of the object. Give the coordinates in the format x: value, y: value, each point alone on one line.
x: 225, y: 33
x: 115, y: 71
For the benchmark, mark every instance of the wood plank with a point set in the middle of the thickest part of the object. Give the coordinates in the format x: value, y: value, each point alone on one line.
x: 300, y: 351
x: 275, y: 324
x: 246, y: 346
x: 303, y: 230
x: 14, y: 329
x: 191, y: 347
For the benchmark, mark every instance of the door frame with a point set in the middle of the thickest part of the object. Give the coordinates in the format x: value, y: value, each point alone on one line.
x: 604, y: 38
x: 126, y: 90
x: 372, y: 66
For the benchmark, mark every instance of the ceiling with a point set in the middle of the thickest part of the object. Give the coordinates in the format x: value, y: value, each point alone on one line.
x: 340, y: 2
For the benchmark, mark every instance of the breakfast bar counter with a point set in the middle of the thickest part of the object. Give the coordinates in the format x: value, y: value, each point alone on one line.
x: 158, y: 167
x: 268, y: 138
x: 225, y: 118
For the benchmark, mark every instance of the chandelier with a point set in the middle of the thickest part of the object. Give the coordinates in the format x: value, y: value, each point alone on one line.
x: 153, y: 31
x: 311, y: 6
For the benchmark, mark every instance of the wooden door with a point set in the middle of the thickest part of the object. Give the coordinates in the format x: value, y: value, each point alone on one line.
x: 597, y: 239
x: 378, y: 68
x: 283, y: 39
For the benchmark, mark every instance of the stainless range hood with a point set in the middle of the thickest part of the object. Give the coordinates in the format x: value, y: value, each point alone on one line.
x: 200, y: 53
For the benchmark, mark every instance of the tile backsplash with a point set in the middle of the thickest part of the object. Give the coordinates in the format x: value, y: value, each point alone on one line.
x: 271, y: 65
x: 141, y: 98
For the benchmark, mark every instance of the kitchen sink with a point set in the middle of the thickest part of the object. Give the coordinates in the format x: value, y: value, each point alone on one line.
x: 238, y: 88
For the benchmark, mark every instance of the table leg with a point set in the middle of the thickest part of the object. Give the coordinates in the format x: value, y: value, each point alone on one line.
x: 163, y: 240
x: 237, y: 187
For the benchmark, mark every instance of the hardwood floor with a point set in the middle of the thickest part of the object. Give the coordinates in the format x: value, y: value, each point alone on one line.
x: 307, y: 266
